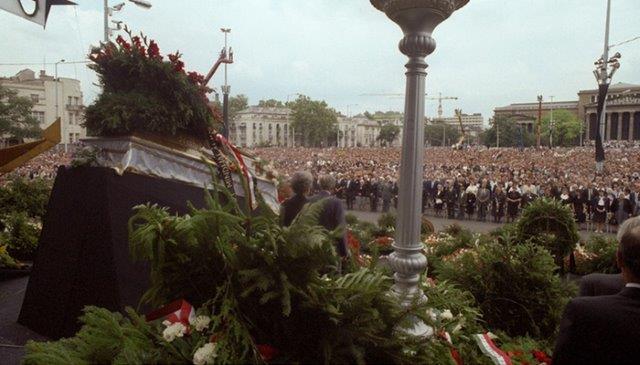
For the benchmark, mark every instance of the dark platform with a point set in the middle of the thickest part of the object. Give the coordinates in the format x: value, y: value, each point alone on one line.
x: 83, y: 254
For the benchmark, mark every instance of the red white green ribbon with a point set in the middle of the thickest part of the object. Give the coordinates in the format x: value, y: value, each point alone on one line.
x: 245, y: 171
x: 491, y: 350
x: 178, y: 311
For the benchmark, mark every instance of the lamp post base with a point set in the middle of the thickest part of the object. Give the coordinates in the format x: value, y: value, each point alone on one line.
x: 599, y: 166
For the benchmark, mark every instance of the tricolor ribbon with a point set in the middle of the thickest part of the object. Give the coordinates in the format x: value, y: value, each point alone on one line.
x: 243, y: 167
x: 178, y: 311
x: 490, y: 349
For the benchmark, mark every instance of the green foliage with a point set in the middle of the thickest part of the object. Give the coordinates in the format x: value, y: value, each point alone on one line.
x: 441, y: 134
x: 314, y: 119
x: 387, y: 220
x: 549, y: 223
x: 237, y: 104
x: 388, y: 133
x: 25, y: 196
x: 108, y: 338
x: 597, y: 255
x: 261, y: 283
x: 6, y: 261
x: 21, y: 236
x: 271, y: 103
x: 351, y: 219
x: 566, y: 128
x: 16, y: 121
x: 511, y: 134
x: 514, y: 285
x: 141, y: 92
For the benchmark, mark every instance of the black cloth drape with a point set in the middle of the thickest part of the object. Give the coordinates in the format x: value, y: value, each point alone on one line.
x: 83, y: 254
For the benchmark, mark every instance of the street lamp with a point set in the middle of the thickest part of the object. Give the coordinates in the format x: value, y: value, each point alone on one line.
x: 57, y: 102
x: 108, y: 12
x: 417, y: 18
x: 605, y: 69
x: 551, y: 125
x: 225, y: 88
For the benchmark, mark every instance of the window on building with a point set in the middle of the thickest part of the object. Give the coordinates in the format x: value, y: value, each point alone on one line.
x: 70, y: 140
x: 76, y: 100
x: 38, y: 115
x: 69, y: 99
x: 77, y: 137
x: 71, y: 115
x: 35, y: 98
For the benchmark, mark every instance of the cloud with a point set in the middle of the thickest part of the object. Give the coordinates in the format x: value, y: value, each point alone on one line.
x: 490, y: 53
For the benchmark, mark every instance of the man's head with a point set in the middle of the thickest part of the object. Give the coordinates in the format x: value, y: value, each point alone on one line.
x: 327, y: 182
x: 629, y: 250
x: 301, y: 182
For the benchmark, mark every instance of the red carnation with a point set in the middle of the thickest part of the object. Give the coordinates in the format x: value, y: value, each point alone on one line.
x: 178, y: 66
x: 154, y: 50
x: 195, y: 77
x: 267, y: 352
x: 174, y: 57
x: 136, y: 41
x: 541, y: 356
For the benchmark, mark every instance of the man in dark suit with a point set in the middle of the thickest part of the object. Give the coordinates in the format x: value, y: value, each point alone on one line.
x: 606, y: 329
x: 332, y: 215
x: 597, y: 284
x: 301, y: 183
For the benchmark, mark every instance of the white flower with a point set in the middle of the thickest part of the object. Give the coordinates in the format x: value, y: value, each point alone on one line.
x: 200, y: 323
x: 446, y: 314
x: 173, y: 330
x: 432, y: 314
x: 205, y: 354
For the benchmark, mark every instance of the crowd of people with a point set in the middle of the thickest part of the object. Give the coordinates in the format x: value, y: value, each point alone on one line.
x: 42, y: 166
x: 481, y: 183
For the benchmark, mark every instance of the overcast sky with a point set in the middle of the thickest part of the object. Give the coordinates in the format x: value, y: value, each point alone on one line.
x: 490, y: 53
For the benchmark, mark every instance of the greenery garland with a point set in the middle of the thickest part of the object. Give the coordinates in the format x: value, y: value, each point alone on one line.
x: 550, y: 224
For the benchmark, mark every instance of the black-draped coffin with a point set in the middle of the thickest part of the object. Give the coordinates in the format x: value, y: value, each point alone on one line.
x: 83, y: 254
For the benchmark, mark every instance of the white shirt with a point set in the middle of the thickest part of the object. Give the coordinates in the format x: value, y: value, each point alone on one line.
x: 633, y: 285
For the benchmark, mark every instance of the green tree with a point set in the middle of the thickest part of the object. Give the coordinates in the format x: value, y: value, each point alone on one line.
x: 388, y: 133
x: 237, y: 104
x: 511, y: 134
x: 16, y: 121
x: 566, y: 128
x: 436, y: 132
x: 270, y: 103
x: 314, y: 120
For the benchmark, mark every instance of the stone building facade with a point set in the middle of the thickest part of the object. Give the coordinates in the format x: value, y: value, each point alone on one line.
x: 51, y: 98
x: 473, y: 123
x: 526, y: 114
x: 622, y: 111
x: 260, y: 126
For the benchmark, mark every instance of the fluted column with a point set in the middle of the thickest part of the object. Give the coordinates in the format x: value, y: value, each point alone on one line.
x: 417, y: 18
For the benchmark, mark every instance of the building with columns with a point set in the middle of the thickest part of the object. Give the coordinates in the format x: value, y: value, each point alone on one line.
x: 51, y: 98
x: 526, y: 114
x: 622, y: 110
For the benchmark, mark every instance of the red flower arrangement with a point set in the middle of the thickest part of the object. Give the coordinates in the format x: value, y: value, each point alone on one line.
x: 137, y: 67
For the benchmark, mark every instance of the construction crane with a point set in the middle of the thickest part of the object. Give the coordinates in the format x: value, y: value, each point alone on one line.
x: 440, y: 98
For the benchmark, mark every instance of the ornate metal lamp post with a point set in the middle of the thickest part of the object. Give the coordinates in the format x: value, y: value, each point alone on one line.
x: 417, y: 18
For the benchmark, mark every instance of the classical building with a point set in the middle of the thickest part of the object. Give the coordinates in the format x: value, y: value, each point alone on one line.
x: 622, y: 112
x: 52, y: 98
x: 259, y: 126
x: 526, y: 114
x: 473, y: 123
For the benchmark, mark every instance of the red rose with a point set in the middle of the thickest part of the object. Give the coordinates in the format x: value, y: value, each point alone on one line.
x: 267, y: 352
x: 178, y: 66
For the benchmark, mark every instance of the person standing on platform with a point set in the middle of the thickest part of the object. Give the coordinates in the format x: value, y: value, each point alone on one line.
x: 301, y: 183
x: 332, y: 216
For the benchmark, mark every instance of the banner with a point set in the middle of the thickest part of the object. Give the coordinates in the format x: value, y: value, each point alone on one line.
x: 602, y: 94
x: 36, y: 11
